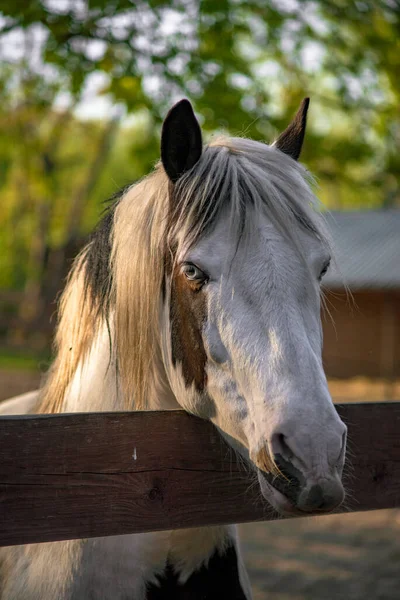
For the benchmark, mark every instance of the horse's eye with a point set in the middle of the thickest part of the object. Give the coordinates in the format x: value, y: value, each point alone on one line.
x: 325, y: 269
x: 193, y: 273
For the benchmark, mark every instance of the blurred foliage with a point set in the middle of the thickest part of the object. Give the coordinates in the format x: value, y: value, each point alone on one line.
x: 13, y: 359
x: 245, y: 64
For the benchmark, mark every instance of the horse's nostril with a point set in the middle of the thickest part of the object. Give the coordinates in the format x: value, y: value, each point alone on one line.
x: 280, y: 446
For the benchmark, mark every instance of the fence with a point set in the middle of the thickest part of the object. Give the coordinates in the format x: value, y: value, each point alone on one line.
x: 98, y: 474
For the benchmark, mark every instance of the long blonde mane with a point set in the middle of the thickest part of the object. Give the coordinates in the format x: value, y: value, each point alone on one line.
x: 232, y: 172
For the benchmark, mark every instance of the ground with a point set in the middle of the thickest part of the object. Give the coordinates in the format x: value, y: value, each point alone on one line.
x: 346, y: 557
x: 17, y: 381
x: 338, y: 557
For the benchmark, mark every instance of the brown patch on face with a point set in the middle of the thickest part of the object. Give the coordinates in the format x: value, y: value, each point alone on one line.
x: 187, y: 314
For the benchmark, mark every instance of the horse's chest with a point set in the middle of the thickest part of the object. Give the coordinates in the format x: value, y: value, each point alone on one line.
x: 214, y: 581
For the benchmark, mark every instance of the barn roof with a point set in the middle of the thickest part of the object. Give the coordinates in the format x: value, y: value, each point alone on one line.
x: 367, y: 247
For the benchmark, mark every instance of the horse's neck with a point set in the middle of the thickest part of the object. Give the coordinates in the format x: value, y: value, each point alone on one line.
x: 96, y: 386
x: 134, y: 560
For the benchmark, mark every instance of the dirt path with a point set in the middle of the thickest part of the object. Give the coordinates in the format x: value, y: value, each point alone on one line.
x: 15, y: 381
x: 346, y: 557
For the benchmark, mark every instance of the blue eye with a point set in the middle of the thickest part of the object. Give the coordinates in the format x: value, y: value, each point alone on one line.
x: 193, y: 273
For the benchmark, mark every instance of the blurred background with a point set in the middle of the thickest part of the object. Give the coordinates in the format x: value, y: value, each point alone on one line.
x: 84, y: 85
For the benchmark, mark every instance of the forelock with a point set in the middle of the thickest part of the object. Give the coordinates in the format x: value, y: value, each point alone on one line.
x: 240, y: 175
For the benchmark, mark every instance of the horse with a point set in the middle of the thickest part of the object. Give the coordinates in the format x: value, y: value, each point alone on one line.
x: 200, y: 289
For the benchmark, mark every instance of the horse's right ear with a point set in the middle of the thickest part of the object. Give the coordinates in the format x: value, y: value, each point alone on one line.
x: 181, y: 143
x: 291, y: 140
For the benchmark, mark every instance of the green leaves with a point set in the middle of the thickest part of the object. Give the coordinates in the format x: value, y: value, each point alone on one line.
x: 245, y: 65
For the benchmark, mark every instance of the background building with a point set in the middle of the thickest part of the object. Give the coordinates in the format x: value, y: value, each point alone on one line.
x: 363, y: 335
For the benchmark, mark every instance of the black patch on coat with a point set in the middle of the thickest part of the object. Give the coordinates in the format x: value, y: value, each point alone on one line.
x: 216, y: 581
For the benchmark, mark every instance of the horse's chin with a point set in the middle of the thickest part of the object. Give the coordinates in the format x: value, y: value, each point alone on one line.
x: 279, y: 501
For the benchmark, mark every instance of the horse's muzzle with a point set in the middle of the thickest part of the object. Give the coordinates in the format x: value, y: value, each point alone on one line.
x: 305, y: 496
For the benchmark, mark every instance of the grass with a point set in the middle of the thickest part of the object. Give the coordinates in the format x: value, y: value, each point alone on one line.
x: 14, y: 359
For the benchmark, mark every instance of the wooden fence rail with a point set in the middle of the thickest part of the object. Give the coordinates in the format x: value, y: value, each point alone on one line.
x: 97, y: 474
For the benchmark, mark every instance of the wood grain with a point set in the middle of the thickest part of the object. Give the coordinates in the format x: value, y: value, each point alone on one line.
x: 97, y: 474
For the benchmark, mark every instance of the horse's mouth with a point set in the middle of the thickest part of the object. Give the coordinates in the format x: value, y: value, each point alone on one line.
x: 290, y: 499
x: 280, y: 493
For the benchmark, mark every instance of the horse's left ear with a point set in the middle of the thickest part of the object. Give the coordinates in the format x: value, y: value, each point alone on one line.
x: 291, y: 140
x: 181, y: 143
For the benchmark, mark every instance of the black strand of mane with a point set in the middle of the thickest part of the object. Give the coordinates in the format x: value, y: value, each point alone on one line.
x: 96, y: 264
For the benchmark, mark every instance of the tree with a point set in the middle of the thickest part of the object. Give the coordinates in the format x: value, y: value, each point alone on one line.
x: 244, y: 64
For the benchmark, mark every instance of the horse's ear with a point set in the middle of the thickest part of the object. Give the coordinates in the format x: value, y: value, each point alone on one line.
x: 291, y: 140
x: 181, y: 143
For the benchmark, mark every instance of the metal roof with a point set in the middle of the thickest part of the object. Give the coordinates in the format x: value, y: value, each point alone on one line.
x: 367, y: 249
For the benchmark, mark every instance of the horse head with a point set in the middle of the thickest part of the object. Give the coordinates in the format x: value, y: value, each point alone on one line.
x: 245, y: 254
